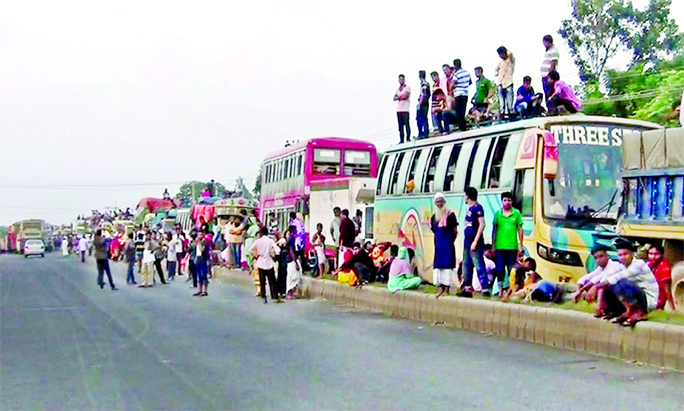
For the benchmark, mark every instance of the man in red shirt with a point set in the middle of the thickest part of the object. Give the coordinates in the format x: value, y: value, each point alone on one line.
x: 347, y: 236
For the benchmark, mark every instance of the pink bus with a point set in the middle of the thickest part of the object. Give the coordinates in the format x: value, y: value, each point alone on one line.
x: 333, y: 164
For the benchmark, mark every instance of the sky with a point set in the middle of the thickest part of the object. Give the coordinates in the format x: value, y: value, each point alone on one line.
x: 104, y: 103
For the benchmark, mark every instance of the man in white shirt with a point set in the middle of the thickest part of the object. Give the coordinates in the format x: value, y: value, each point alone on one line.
x: 335, y: 225
x: 634, y: 286
x: 83, y: 247
x: 549, y: 64
x: 265, y: 250
x: 604, y: 267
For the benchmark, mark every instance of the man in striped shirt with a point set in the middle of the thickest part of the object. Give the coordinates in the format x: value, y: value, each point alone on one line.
x: 549, y: 64
x: 461, y: 83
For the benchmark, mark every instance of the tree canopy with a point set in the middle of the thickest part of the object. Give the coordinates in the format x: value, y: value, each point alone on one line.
x: 650, y: 85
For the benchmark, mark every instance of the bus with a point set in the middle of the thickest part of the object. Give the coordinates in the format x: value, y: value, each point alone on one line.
x: 314, y: 176
x: 564, y: 173
x: 28, y: 230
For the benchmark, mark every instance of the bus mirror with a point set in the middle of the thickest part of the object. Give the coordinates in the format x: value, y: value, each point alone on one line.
x: 550, y: 155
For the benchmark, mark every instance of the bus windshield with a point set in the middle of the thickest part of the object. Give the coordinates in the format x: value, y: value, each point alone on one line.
x: 587, y: 185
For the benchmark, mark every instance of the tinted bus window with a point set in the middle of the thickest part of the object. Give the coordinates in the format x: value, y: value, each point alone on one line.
x: 451, y: 168
x: 410, y: 182
x: 483, y: 179
x: 326, y: 161
x: 508, y: 164
x: 383, y: 165
x: 479, y: 162
x: 299, y: 164
x: 395, y: 174
x: 471, y: 161
x: 523, y: 192
x: 357, y: 163
x: 431, y: 170
x: 497, y: 161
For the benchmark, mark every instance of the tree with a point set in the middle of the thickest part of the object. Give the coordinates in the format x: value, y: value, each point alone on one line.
x: 257, y: 186
x: 191, y: 191
x: 241, y: 189
x: 657, y: 36
x: 595, y: 33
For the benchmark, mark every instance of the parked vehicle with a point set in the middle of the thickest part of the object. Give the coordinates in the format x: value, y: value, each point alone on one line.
x: 34, y: 247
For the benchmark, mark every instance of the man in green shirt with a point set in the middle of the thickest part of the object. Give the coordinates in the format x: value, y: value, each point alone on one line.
x: 507, y: 237
x: 484, y: 91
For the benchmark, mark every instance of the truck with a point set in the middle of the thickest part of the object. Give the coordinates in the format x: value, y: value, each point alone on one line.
x: 653, y: 196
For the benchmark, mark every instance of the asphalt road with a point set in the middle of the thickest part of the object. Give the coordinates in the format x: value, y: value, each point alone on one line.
x: 67, y: 344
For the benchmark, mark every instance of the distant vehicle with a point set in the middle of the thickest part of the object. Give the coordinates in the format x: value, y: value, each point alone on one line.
x: 34, y: 247
x: 314, y: 176
x: 29, y: 230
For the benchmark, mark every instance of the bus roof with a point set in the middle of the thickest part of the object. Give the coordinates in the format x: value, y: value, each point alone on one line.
x: 540, y: 122
x: 328, y: 142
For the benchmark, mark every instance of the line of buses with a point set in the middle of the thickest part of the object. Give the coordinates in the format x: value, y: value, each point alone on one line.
x: 565, y: 174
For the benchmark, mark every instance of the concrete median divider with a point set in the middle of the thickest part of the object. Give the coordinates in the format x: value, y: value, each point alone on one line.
x: 651, y: 343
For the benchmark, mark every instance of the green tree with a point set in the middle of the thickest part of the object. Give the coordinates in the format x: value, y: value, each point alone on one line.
x: 656, y: 36
x: 192, y: 190
x: 257, y: 186
x: 597, y: 30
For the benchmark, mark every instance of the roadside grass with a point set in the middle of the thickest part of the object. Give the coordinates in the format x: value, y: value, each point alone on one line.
x: 667, y: 317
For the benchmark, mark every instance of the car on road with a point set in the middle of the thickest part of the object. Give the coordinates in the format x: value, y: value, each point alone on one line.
x: 34, y: 247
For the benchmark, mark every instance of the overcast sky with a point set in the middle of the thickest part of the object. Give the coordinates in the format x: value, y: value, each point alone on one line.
x: 103, y: 103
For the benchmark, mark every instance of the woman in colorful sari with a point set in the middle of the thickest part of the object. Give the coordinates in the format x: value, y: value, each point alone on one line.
x: 400, y: 275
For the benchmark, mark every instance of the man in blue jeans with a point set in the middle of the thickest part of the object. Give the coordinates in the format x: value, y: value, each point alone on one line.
x: 423, y: 106
x: 473, y: 250
x: 129, y: 252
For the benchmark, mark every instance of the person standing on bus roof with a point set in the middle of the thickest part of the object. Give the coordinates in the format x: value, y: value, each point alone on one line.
x: 507, y: 237
x: 504, y: 77
x: 423, y: 106
x: 484, y: 92
x: 402, y: 97
x: 444, y: 225
x: 436, y: 114
x: 549, y: 64
x: 461, y: 83
x: 473, y: 250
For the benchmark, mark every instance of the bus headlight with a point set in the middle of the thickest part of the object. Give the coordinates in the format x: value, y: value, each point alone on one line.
x: 559, y: 256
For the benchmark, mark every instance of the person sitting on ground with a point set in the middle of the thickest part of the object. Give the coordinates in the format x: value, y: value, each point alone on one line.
x: 527, y: 103
x: 563, y: 96
x: 630, y: 293
x: 381, y: 261
x: 662, y: 272
x: 516, y: 280
x: 530, y: 278
x: 604, y: 267
x: 400, y: 275
x: 488, y: 255
x: 361, y: 263
x: 547, y: 292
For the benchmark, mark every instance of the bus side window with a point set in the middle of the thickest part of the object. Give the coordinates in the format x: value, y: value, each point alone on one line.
x: 395, y: 174
x: 451, y: 168
x: 523, y: 191
x: 369, y: 222
x: 431, y: 170
x: 383, y: 165
x: 485, y: 167
x: 507, y: 170
x: 471, y: 161
x: 410, y: 182
x: 497, y: 160
x: 299, y: 164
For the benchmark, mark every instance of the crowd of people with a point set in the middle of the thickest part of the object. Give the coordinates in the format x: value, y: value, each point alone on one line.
x: 624, y: 291
x: 446, y: 100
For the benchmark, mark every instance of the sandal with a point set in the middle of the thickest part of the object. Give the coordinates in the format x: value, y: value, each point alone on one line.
x: 197, y: 294
x: 619, y: 320
x: 204, y: 294
x: 600, y: 314
x: 631, y: 322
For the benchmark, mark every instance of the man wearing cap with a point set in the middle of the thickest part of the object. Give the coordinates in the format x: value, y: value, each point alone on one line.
x: 445, y: 228
x: 631, y: 292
